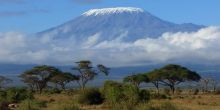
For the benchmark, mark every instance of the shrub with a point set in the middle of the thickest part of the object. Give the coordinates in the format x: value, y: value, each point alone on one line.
x: 196, y: 92
x: 113, y: 92
x: 18, y: 94
x: 90, y: 97
x: 32, y: 105
x: 123, y: 96
x: 131, y: 94
x: 3, y: 95
x: 144, y: 95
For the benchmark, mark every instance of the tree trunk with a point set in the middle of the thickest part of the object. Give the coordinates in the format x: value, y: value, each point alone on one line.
x: 172, y: 88
x: 157, y: 87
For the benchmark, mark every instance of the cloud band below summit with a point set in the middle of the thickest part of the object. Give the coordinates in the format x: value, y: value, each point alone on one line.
x: 194, y: 47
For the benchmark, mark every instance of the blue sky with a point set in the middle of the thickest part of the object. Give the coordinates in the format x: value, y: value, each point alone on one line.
x: 37, y: 15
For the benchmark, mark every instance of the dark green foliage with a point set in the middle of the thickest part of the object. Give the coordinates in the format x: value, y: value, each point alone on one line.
x: 3, y: 95
x: 144, y: 95
x: 38, y: 77
x: 63, y: 78
x: 90, y: 97
x: 113, y: 92
x: 131, y: 94
x: 137, y: 79
x: 123, y: 94
x: 18, y: 94
x: 172, y: 75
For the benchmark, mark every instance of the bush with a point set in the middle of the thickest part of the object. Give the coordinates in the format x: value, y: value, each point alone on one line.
x: 144, y: 95
x: 123, y: 96
x: 131, y: 94
x: 32, y: 105
x: 15, y: 95
x: 3, y: 95
x: 196, y: 92
x: 113, y: 92
x: 90, y: 97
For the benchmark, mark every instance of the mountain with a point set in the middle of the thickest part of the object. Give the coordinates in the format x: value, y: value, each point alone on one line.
x: 126, y: 23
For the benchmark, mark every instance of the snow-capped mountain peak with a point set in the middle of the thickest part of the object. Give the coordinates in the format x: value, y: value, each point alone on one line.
x: 109, y: 24
x: 116, y: 10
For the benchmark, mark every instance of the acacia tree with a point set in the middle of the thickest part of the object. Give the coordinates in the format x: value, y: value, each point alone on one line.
x: 63, y: 79
x: 39, y: 76
x: 172, y: 75
x: 87, y: 72
x: 4, y: 81
x: 136, y: 79
x: 31, y: 81
x: 154, y: 79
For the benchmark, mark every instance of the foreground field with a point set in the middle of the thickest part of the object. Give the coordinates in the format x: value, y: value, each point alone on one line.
x: 182, y: 102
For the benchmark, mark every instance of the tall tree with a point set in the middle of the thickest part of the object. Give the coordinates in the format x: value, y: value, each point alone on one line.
x: 39, y: 76
x: 87, y: 72
x: 137, y: 79
x: 4, y: 81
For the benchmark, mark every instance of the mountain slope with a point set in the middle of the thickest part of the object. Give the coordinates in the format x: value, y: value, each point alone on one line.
x: 126, y: 23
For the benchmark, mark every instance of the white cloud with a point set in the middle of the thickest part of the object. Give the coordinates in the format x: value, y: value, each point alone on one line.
x: 196, y: 47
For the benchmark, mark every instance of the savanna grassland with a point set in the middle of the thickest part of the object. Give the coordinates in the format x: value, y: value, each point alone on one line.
x: 183, y: 101
x: 47, y: 90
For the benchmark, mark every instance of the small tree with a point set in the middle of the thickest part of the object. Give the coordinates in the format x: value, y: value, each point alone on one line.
x: 87, y: 72
x: 4, y: 81
x: 39, y: 76
x: 63, y: 78
x: 137, y: 79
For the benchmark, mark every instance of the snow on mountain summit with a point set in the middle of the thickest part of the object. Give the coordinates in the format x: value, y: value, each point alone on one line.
x: 107, y: 24
x: 104, y: 11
